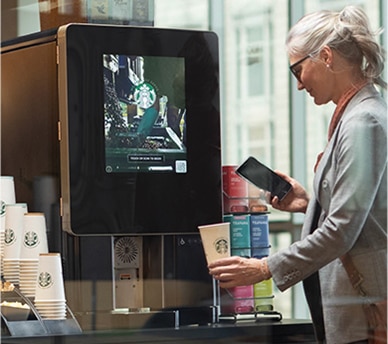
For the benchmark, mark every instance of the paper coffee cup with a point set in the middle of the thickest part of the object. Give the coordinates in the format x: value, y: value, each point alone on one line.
x: 14, y: 226
x: 215, y: 240
x: 28, y: 275
x: 7, y: 189
x: 7, y: 196
x: 50, y: 298
x: 34, y: 239
x: 49, y: 283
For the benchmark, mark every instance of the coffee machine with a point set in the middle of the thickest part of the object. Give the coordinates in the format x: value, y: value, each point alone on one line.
x: 131, y: 183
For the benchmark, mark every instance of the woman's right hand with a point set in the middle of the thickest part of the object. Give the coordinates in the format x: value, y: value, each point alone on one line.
x: 295, y: 201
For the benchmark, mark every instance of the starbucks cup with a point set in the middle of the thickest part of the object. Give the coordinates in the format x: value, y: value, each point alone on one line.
x: 14, y: 227
x: 49, y: 283
x: 7, y: 196
x: 14, y: 224
x: 215, y: 240
x: 34, y: 239
x: 7, y: 189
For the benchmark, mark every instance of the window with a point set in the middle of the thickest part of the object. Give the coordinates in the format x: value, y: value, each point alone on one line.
x: 261, y: 110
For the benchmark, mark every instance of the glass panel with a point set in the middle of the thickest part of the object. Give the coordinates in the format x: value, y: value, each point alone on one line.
x: 255, y: 121
x: 256, y: 115
x: 318, y: 117
x: 188, y: 14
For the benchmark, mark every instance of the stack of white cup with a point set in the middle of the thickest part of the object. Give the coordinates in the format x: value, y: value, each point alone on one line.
x: 50, y: 300
x: 7, y: 196
x: 14, y: 227
x: 33, y: 244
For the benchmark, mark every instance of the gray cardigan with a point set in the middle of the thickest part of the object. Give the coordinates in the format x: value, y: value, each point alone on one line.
x: 350, y: 185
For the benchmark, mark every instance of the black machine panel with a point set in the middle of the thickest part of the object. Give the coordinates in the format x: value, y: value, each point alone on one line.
x: 140, y: 129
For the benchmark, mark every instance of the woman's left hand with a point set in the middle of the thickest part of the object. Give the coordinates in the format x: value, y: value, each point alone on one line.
x: 237, y: 271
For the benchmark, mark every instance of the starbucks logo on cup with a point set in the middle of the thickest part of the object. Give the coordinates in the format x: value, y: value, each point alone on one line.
x: 2, y: 208
x: 9, y: 237
x: 31, y: 239
x: 45, y: 280
x: 221, y: 245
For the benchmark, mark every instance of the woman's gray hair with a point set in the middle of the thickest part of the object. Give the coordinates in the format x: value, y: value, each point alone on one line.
x: 348, y: 32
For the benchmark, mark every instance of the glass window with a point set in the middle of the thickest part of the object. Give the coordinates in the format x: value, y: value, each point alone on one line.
x: 318, y: 117
x: 255, y: 103
x: 262, y: 113
x: 188, y: 14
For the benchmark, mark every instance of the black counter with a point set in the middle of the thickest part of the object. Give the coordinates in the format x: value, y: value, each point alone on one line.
x: 285, y: 331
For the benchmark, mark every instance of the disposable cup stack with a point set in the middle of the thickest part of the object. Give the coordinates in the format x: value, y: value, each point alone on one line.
x: 14, y: 226
x: 33, y: 244
x: 50, y: 300
x: 7, y: 196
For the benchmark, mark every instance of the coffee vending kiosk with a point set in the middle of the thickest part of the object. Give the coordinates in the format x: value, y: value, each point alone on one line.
x: 123, y: 123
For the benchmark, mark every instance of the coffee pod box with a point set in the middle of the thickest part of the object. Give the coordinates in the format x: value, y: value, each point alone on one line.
x: 259, y: 231
x: 235, y: 191
x: 237, y: 300
x: 263, y: 294
x: 240, y: 235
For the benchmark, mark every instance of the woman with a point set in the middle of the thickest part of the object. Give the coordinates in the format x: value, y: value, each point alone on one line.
x: 334, y: 57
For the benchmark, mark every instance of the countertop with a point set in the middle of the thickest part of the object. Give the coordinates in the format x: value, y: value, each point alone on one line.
x: 284, y: 331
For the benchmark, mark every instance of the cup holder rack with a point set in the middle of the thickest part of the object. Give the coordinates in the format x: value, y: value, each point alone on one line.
x: 34, y: 324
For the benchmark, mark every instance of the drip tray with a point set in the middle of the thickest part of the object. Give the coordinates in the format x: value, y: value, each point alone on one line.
x: 144, y: 318
x: 257, y: 317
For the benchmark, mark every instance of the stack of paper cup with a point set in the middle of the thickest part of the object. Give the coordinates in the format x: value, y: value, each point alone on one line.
x: 14, y: 226
x: 7, y: 196
x: 33, y: 244
x: 50, y: 300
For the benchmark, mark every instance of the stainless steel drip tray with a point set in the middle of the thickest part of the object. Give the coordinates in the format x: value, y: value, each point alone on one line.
x: 145, y: 318
x: 255, y: 317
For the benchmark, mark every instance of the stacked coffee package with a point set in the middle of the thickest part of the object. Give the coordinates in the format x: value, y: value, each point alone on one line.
x: 25, y: 259
x: 247, y: 214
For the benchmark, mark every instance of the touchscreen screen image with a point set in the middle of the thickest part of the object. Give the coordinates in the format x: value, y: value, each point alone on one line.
x: 144, y: 114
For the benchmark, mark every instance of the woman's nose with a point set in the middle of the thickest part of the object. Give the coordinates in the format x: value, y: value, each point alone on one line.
x: 300, y: 85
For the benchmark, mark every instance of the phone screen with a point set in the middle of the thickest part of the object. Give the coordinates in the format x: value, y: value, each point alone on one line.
x: 263, y: 177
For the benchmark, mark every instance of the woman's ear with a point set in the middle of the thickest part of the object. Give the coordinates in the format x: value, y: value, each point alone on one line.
x: 326, y: 55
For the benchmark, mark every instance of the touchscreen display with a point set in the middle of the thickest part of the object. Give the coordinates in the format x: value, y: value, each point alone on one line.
x: 144, y: 114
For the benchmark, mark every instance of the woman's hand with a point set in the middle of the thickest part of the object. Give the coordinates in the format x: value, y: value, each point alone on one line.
x: 237, y: 271
x: 295, y: 201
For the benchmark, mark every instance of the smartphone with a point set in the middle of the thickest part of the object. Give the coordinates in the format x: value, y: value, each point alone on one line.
x: 263, y: 177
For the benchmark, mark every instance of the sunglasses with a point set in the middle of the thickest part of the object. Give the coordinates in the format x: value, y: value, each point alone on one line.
x: 297, y: 72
